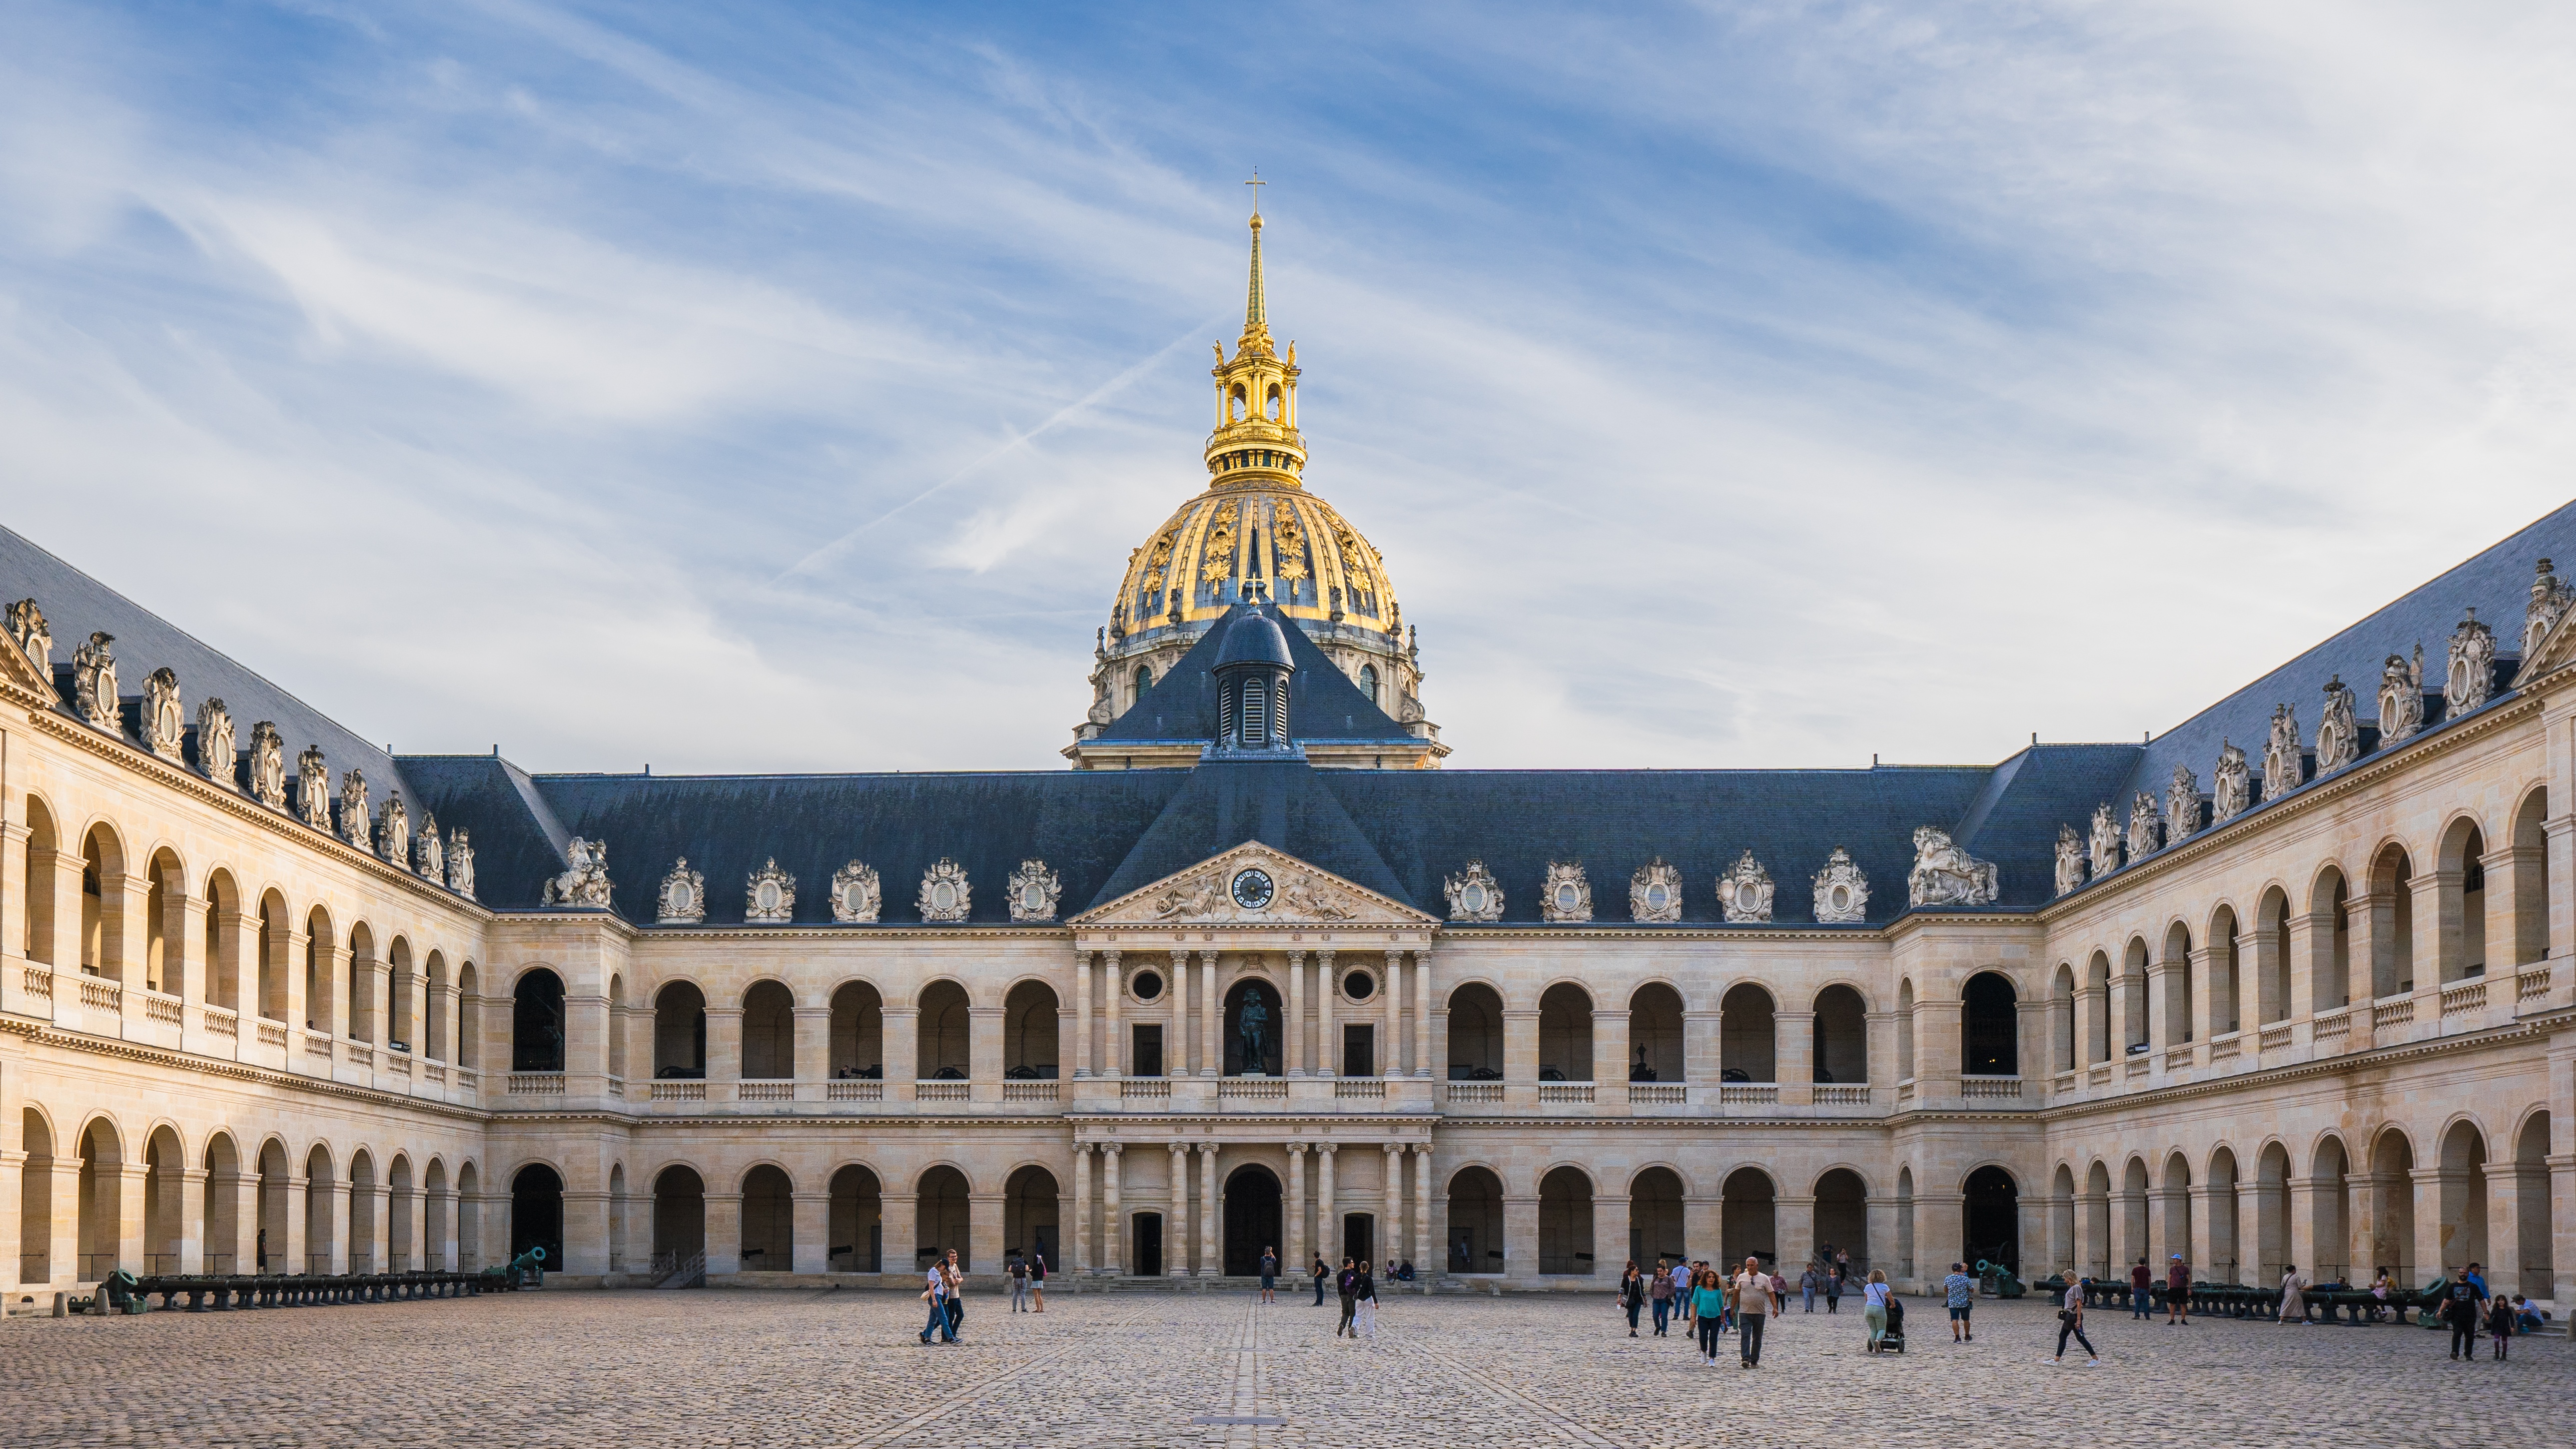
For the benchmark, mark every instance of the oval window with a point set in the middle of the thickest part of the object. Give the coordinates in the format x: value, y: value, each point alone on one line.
x: 681, y: 896
x: 1746, y: 896
x: 1656, y: 895
x: 1472, y: 899
x: 1567, y: 896
x: 769, y: 895
x: 1147, y: 986
x: 1358, y: 986
x: 943, y: 897
x: 854, y: 898
x: 1033, y: 896
x: 1842, y: 898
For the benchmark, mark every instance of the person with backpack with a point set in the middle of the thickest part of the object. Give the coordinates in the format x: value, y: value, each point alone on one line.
x: 1019, y: 1285
x: 1037, y: 1279
x: 1347, y: 1283
x: 2461, y: 1300
x: 1632, y: 1294
x: 1321, y: 1271
x: 1364, y: 1302
x: 1269, y: 1275
x: 1660, y: 1293
x: 2070, y: 1321
x: 1960, y: 1291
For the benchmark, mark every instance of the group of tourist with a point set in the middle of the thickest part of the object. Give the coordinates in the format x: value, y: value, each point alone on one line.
x: 1355, y: 1284
x: 2465, y: 1303
x: 1709, y: 1299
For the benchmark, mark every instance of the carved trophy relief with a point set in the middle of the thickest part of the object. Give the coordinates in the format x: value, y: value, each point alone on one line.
x: 2401, y: 696
x: 1034, y: 890
x: 94, y: 684
x: 2470, y: 679
x: 393, y: 832
x: 1945, y: 875
x: 2146, y: 827
x: 2070, y: 861
x: 1473, y: 894
x: 267, y: 766
x: 460, y: 863
x: 2284, y: 762
x: 1655, y: 893
x: 2338, y: 732
x: 1305, y: 897
x: 856, y: 895
x: 1744, y: 892
x: 428, y: 852
x: 584, y: 881
x: 1842, y: 892
x: 2233, y: 783
x: 165, y: 722
x: 27, y: 629
x: 2550, y: 597
x: 2105, y: 840
x: 946, y: 895
x: 2182, y: 805
x: 354, y: 811
x: 1568, y: 896
x: 313, y: 789
x: 683, y: 899
x: 216, y: 754
x: 769, y: 896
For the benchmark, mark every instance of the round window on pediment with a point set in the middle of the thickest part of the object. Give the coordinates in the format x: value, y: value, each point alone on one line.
x: 1359, y: 986
x: 1567, y: 897
x: 1147, y: 985
x: 1472, y: 899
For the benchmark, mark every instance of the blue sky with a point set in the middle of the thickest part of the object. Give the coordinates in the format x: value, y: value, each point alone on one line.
x: 783, y: 387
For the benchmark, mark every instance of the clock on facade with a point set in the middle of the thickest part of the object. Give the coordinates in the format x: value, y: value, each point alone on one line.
x: 1251, y: 889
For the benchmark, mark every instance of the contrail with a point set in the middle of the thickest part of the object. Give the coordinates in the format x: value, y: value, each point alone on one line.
x: 1017, y: 440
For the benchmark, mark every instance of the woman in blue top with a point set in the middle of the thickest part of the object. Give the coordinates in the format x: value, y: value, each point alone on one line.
x: 1875, y: 1313
x: 1708, y: 1306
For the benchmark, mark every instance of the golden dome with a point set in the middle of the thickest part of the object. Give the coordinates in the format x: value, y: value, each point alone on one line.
x: 1265, y: 536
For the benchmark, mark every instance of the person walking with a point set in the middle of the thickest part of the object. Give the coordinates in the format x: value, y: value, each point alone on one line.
x: 1834, y: 1283
x: 1364, y: 1300
x: 1756, y: 1299
x: 1269, y: 1275
x: 2177, y: 1292
x: 1708, y: 1310
x: 934, y: 1291
x: 1019, y: 1285
x: 1346, y: 1283
x: 1873, y: 1312
x: 1960, y: 1290
x: 2294, y: 1295
x: 1037, y: 1279
x: 1685, y: 1279
x: 1632, y: 1294
x: 2142, y: 1292
x: 1809, y: 1283
x: 2070, y: 1321
x: 1660, y: 1293
x: 956, y: 1276
x: 2500, y: 1324
x: 2461, y: 1298
x: 1322, y: 1270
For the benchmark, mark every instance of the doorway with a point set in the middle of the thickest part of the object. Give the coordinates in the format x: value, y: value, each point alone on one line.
x: 1149, y: 1245
x: 1355, y: 1236
x: 1993, y: 1218
x: 1251, y: 1219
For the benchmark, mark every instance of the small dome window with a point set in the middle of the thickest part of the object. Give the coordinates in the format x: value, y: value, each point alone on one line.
x: 1368, y: 683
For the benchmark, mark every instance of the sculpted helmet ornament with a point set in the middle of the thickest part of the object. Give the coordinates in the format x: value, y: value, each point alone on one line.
x: 683, y: 900
x: 2105, y: 840
x: 2401, y: 696
x: 1473, y: 894
x: 428, y: 854
x: 769, y: 896
x: 1744, y: 892
x: 1842, y: 892
x: 1034, y: 889
x: 856, y: 897
x: 1568, y: 896
x: 313, y: 789
x: 2550, y: 598
x: 2284, y: 763
x: 2182, y: 804
x: 94, y: 684
x: 393, y: 832
x: 1655, y: 893
x: 2146, y: 827
x: 585, y: 882
x: 2234, y: 783
x: 354, y: 813
x: 27, y: 629
x: 2070, y: 861
x: 165, y: 722
x: 1945, y: 875
x: 216, y: 754
x: 460, y: 863
x: 945, y: 894
x: 2470, y: 681
x: 2338, y: 734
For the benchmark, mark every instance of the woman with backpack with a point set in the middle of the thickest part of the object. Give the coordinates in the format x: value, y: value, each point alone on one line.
x: 1632, y: 1294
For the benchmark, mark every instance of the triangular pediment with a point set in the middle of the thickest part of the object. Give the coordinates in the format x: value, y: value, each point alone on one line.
x: 1228, y: 890
x: 19, y: 674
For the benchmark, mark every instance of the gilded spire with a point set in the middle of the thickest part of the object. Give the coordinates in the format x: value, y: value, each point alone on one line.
x: 1256, y: 294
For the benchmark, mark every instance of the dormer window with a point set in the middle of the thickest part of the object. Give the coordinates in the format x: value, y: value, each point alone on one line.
x: 1368, y: 683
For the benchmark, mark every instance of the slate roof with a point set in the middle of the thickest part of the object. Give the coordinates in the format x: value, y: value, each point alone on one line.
x: 1323, y: 704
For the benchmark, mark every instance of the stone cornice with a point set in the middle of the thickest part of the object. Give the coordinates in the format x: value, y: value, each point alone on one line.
x: 41, y: 1033
x: 1696, y: 931
x: 825, y: 930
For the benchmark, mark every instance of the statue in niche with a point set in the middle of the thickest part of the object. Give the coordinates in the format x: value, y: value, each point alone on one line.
x: 2234, y: 782
x: 165, y: 722
x: 26, y: 624
x: 2146, y: 828
x: 2338, y: 734
x: 429, y: 857
x: 267, y: 766
x: 2401, y: 696
x: 585, y: 880
x: 2182, y: 804
x: 2550, y: 597
x: 2106, y: 840
x: 2070, y: 861
x: 1945, y: 875
x: 460, y: 863
x: 94, y: 684
x: 2471, y: 676
x: 354, y: 813
x: 2284, y: 758
x: 1252, y: 1027
x: 313, y: 789
x: 215, y: 752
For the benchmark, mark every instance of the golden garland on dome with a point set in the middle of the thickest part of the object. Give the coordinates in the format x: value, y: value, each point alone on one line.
x: 1291, y: 543
x: 1216, y: 557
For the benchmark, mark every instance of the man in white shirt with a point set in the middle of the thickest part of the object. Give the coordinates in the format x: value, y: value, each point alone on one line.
x: 935, y: 1293
x: 1755, y: 1302
x: 1682, y: 1289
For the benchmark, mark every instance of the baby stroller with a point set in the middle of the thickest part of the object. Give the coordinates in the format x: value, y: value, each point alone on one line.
x: 1893, y: 1341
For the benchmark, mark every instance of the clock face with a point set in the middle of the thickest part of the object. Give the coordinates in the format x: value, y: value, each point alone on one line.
x: 1252, y: 889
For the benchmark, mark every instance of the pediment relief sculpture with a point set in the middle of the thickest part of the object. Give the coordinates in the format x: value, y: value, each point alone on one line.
x: 856, y: 896
x: 2234, y: 783
x: 26, y: 624
x: 1473, y: 894
x: 2182, y: 805
x: 2338, y: 733
x: 354, y: 813
x: 428, y: 853
x: 1034, y: 890
x: 2070, y: 861
x: 2550, y: 598
x: 313, y: 789
x: 393, y: 832
x: 2146, y: 827
x: 1254, y: 885
x: 2105, y: 840
x: 769, y: 896
x: 165, y: 722
x: 683, y: 899
x: 1842, y: 892
x: 584, y: 881
x: 267, y: 766
x: 1568, y: 894
x: 1945, y: 875
x: 94, y: 684
x: 2284, y: 758
x: 1744, y: 892
x: 2470, y: 680
x: 2401, y: 696
x: 1655, y: 893
x: 460, y: 863
x: 946, y: 895
x: 216, y: 754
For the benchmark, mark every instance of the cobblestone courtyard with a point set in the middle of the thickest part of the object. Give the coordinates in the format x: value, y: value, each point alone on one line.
x: 842, y: 1368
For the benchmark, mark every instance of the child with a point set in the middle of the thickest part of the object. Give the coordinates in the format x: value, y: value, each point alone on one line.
x: 2500, y: 1323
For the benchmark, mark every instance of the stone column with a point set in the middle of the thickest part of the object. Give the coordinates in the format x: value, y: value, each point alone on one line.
x: 292, y: 1255
x: 2311, y: 956
x: 183, y: 963
x: 813, y: 1047
x: 127, y: 1182
x: 1520, y: 1236
x: 243, y: 1247
x: 1390, y: 1233
x: 339, y: 1189
x: 902, y: 1037
x: 900, y: 1220
x: 1425, y: 1065
x: 379, y: 1208
x: 1427, y: 1256
x: 1940, y: 1232
x: 1081, y: 1015
x: 2201, y: 1205
x: 1328, y: 1213
x: 2117, y: 1008
x: 1113, y: 1224
x: 123, y: 902
x: 1793, y: 1050
x: 1081, y: 1244
x: 1211, y: 1254
x: 438, y: 1231
x: 1211, y: 1017
x: 2301, y: 1229
x: 1292, y: 1250
x: 1795, y: 1218
x: 2251, y: 1267
x: 2061, y: 1232
x: 1179, y: 1040
x: 984, y: 1060
x: 2161, y: 984
x: 1293, y: 1050
x: 2089, y: 1006
x: 2210, y: 1009
x: 2428, y: 1185
x: 1880, y: 1213
x: 585, y: 1224
x: 1176, y: 1224
x: 1610, y: 1057
x: 984, y: 1231
x: 2504, y: 1215
x: 1520, y: 1057
x: 1328, y: 1037
x: 810, y: 1231
x: 724, y: 1232
x: 1113, y: 1042
x: 1881, y: 1045
x: 1391, y: 1042
x: 192, y: 1220
x: 724, y: 1060
x: 63, y: 950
